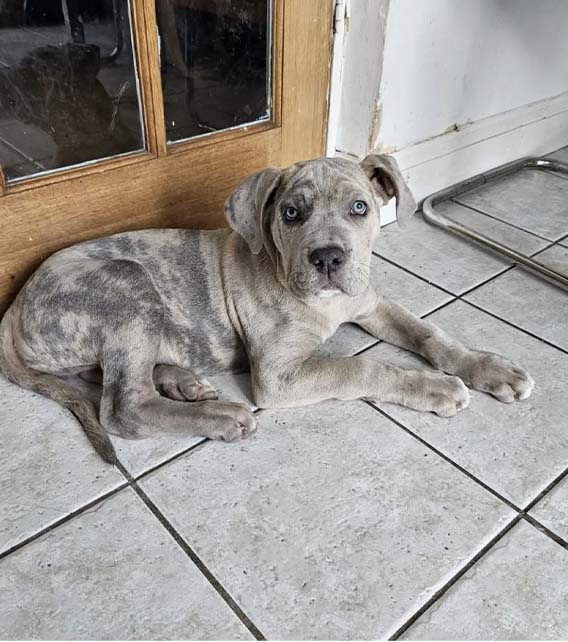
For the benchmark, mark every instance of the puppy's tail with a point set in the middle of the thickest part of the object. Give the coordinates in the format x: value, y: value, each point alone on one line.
x: 16, y: 371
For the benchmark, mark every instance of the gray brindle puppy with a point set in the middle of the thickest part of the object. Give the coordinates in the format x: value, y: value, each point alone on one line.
x: 155, y: 310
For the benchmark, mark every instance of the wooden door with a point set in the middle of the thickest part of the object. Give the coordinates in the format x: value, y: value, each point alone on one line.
x: 166, y: 178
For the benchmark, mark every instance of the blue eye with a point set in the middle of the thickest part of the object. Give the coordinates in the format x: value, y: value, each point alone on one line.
x: 291, y: 214
x: 359, y: 208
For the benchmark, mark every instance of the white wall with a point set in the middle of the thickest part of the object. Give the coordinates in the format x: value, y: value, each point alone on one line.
x: 454, y: 87
x: 449, y: 62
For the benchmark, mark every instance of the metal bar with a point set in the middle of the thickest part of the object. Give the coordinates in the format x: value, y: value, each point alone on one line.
x: 435, y: 218
x: 117, y: 20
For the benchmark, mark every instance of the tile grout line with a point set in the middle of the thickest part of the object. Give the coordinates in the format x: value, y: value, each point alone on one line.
x: 543, y: 493
x: 545, y: 530
x: 170, y: 460
x: 513, y: 265
x: 457, y: 576
x: 366, y: 348
x: 181, y: 542
x: 535, y: 254
x: 446, y: 458
x: 63, y: 520
x: 512, y: 325
x: 414, y: 274
x: 499, y: 220
x: 439, y: 307
x: 536, y: 500
x: 491, y: 278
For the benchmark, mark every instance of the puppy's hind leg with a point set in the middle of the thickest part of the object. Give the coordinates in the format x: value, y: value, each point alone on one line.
x: 182, y: 385
x: 173, y: 382
x: 132, y: 408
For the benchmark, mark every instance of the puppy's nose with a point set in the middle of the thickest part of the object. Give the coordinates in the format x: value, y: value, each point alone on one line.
x: 327, y: 259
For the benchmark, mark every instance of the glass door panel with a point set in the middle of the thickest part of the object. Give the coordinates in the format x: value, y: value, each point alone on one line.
x: 68, y: 85
x: 215, y: 64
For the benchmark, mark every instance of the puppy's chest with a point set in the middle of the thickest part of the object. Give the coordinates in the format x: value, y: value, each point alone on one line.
x: 329, y: 318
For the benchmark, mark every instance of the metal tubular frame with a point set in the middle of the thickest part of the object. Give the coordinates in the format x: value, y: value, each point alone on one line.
x: 432, y: 216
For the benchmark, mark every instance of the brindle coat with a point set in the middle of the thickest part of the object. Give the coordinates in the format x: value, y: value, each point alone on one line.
x: 154, y: 310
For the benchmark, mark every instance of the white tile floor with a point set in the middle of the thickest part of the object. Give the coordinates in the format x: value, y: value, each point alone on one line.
x: 339, y: 520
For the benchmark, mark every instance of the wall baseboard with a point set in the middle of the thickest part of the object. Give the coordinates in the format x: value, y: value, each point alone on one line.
x: 531, y: 130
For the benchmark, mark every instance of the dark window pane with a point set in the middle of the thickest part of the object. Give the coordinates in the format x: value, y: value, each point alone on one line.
x: 215, y: 63
x: 68, y: 88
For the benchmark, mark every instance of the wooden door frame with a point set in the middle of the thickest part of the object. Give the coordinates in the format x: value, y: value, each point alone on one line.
x: 148, y: 189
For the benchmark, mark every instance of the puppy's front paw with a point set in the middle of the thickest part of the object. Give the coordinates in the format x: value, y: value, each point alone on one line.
x: 234, y: 422
x: 499, y: 377
x: 445, y: 395
x: 435, y: 392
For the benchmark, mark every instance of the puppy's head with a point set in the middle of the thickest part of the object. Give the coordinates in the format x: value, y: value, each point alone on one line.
x: 318, y: 220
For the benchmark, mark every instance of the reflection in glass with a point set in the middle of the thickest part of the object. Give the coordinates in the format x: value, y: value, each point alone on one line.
x: 68, y: 90
x: 215, y: 64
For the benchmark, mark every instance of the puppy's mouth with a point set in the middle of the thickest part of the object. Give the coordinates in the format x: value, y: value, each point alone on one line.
x: 306, y: 284
x: 329, y: 285
x: 327, y: 293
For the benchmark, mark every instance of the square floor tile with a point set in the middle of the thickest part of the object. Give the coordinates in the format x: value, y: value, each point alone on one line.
x: 534, y: 200
x: 111, y: 573
x: 517, y: 449
x: 529, y: 301
x: 446, y: 260
x: 48, y: 468
x: 517, y: 591
x: 330, y: 523
x: 552, y: 510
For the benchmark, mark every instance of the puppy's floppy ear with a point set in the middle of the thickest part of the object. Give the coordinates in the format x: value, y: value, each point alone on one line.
x: 387, y: 181
x: 245, y: 207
